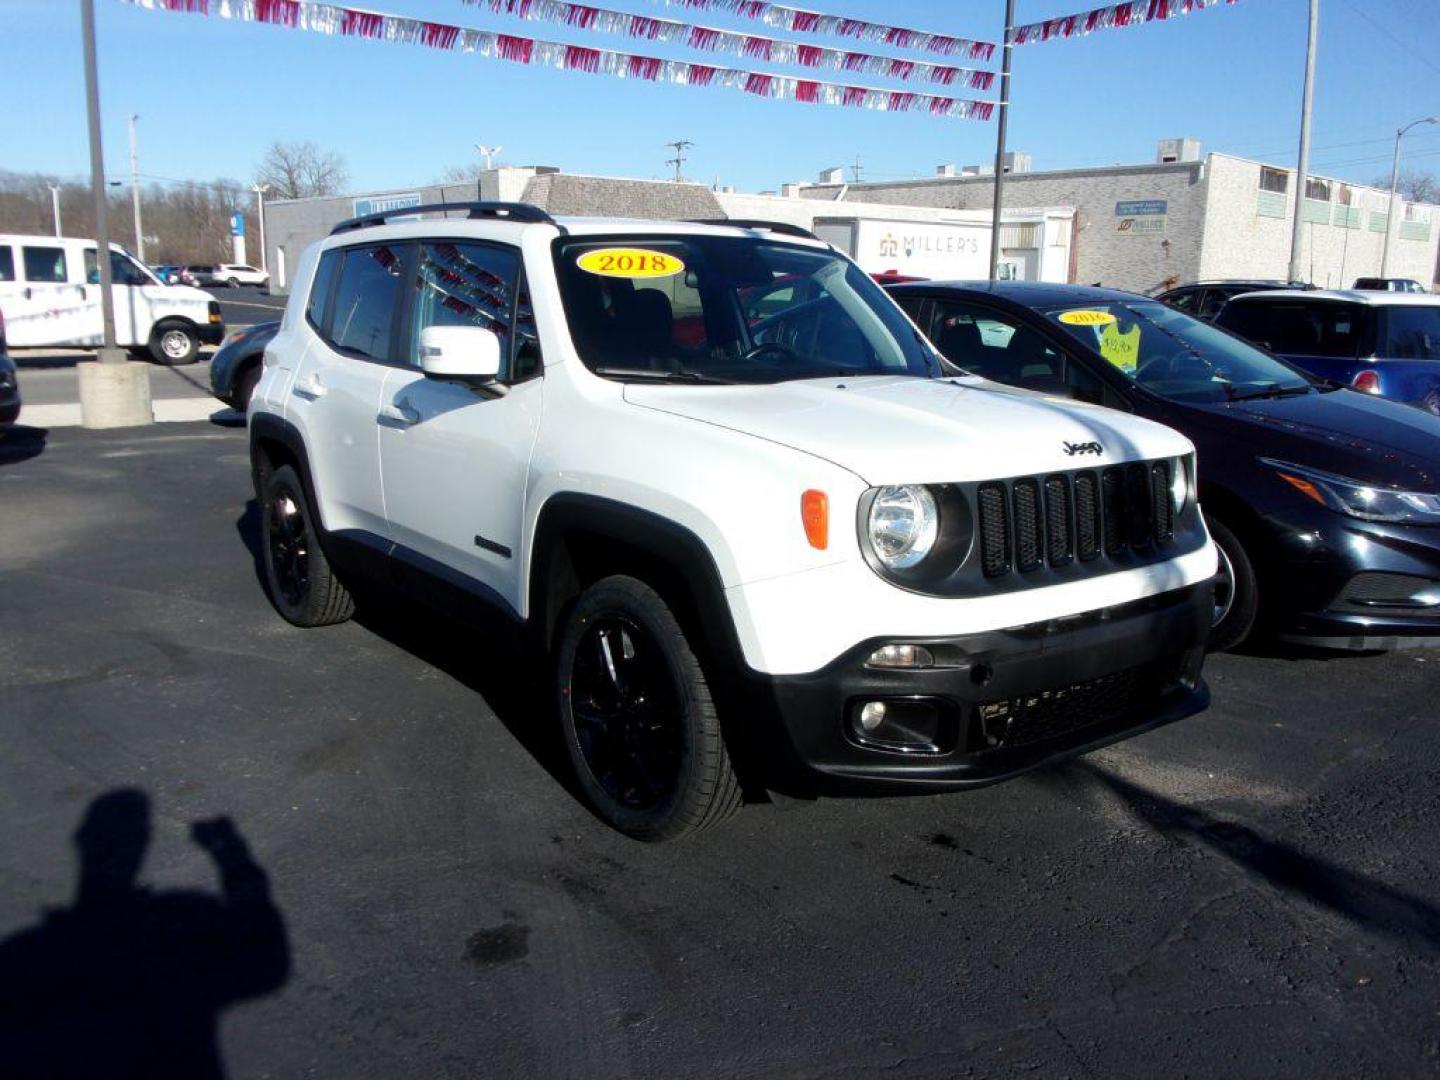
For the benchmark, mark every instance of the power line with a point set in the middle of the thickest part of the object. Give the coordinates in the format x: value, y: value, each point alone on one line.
x: 1399, y: 41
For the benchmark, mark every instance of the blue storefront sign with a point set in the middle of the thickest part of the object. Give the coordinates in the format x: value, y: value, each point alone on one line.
x: 1142, y: 208
x: 237, y: 224
x: 385, y: 204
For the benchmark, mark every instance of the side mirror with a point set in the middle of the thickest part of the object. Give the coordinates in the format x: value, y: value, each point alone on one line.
x: 467, y: 353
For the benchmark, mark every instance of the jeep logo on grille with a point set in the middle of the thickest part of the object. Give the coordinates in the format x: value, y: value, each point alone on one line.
x: 1072, y: 449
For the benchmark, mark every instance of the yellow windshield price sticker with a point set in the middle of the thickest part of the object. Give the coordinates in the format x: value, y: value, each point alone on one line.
x: 630, y: 263
x: 1122, y: 350
x: 1086, y: 318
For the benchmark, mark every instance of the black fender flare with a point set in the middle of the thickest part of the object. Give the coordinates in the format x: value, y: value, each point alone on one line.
x: 266, y: 427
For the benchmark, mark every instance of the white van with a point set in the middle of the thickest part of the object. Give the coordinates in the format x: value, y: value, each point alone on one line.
x: 50, y: 296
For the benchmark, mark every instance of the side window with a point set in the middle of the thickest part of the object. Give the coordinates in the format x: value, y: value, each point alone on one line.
x: 318, y: 307
x: 1214, y: 301
x: 365, y: 301
x: 7, y: 263
x: 465, y: 284
x: 913, y: 306
x: 44, y: 265
x: 988, y: 344
x: 122, y: 270
x: 527, y: 362
x: 1185, y: 301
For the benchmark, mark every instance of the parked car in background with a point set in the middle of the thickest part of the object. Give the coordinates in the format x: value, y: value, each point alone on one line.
x: 235, y: 367
x: 9, y: 382
x: 1324, y: 503
x: 50, y: 295
x: 168, y: 275
x: 1381, y: 284
x: 233, y: 275
x: 201, y: 276
x: 1204, y: 299
x: 1381, y: 343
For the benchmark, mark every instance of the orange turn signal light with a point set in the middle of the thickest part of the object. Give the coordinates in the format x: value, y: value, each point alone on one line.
x: 815, y: 513
x: 1303, y: 486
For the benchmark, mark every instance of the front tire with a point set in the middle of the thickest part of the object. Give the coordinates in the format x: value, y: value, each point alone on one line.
x: 173, y: 344
x: 637, y: 716
x: 1431, y: 403
x: 1237, y: 594
x: 232, y: 283
x: 302, y: 585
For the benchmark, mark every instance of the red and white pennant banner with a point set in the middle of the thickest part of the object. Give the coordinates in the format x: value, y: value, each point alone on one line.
x: 753, y: 46
x: 326, y: 18
x: 800, y: 21
x: 1109, y: 18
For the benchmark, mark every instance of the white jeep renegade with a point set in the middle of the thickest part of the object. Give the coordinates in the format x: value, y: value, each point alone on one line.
x: 758, y: 527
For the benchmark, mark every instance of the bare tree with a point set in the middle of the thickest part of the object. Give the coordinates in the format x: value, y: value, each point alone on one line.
x: 301, y: 170
x: 1415, y: 186
x: 462, y: 174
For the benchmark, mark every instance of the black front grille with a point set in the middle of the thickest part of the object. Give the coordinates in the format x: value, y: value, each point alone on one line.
x: 1053, y: 713
x: 1030, y: 523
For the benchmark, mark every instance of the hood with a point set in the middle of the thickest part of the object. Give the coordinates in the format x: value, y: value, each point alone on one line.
x: 177, y: 295
x: 904, y: 430
x: 1356, y: 435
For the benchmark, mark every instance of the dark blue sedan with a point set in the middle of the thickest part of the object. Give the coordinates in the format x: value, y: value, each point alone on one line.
x: 1381, y: 343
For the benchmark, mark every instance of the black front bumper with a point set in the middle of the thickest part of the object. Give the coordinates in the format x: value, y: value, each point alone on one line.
x: 1321, y: 563
x: 212, y: 333
x: 1002, y: 702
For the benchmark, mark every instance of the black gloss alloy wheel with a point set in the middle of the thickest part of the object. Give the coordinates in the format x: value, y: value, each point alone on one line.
x: 637, y: 717
x: 628, y: 710
x: 1224, y: 587
x: 302, y: 585
x: 289, y: 548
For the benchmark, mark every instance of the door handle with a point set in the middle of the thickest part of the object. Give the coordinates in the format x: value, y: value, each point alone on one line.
x: 28, y: 292
x: 310, y: 387
x: 401, y: 412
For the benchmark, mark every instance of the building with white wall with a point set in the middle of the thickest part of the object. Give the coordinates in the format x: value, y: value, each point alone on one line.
x: 1184, y: 218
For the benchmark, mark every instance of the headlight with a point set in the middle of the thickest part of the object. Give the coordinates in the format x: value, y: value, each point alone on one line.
x: 1182, y: 482
x: 903, y: 525
x: 1358, y: 499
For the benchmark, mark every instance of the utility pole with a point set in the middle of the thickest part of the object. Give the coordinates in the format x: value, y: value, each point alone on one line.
x: 55, y: 206
x: 113, y: 393
x: 260, y: 190
x: 1306, y: 106
x: 1391, y: 218
x: 1000, y: 138
x: 679, y: 146
x: 135, y: 188
x: 856, y: 171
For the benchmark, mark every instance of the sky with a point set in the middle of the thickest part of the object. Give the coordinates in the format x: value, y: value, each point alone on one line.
x: 212, y: 94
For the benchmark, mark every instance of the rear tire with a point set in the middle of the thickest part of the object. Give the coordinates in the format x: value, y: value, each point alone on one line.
x: 174, y: 343
x: 637, y: 716
x: 1237, y: 594
x: 1431, y: 402
x: 232, y: 283
x: 302, y: 585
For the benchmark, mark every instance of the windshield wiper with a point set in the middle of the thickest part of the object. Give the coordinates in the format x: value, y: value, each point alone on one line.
x: 1273, y: 391
x: 647, y: 375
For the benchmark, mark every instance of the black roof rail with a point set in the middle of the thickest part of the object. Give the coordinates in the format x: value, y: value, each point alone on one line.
x: 782, y: 227
x: 502, y: 211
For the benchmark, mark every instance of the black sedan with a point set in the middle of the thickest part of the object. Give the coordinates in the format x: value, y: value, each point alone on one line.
x: 1324, y: 502
x: 235, y: 367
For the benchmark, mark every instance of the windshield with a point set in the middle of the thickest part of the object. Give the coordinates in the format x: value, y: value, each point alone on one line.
x: 729, y: 309
x: 1175, y: 356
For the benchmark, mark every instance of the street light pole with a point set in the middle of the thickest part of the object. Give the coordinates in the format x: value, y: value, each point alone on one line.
x: 135, y: 188
x: 1390, y: 219
x: 55, y: 206
x: 113, y: 393
x: 1303, y: 177
x: 260, y: 190
x: 1000, y: 138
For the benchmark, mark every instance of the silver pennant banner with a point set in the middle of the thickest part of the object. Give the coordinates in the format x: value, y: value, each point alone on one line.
x: 333, y: 19
x: 710, y: 39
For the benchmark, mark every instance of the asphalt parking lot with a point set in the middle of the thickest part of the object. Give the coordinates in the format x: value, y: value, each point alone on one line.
x: 351, y: 852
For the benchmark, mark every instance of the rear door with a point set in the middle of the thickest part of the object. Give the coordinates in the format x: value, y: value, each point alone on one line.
x: 454, y: 457
x: 43, y: 307
x: 335, y: 395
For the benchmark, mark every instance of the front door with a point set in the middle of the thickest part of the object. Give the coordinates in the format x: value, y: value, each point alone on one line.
x: 454, y: 457
x: 132, y: 308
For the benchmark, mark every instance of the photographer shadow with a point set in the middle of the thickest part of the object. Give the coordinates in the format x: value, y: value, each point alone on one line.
x: 128, y: 981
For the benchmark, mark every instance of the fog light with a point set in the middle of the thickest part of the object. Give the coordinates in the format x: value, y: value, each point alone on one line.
x: 872, y: 715
x: 901, y: 656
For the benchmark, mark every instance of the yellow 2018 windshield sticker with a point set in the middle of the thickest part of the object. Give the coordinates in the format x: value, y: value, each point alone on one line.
x: 630, y: 263
x: 1086, y: 318
x: 1122, y: 350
